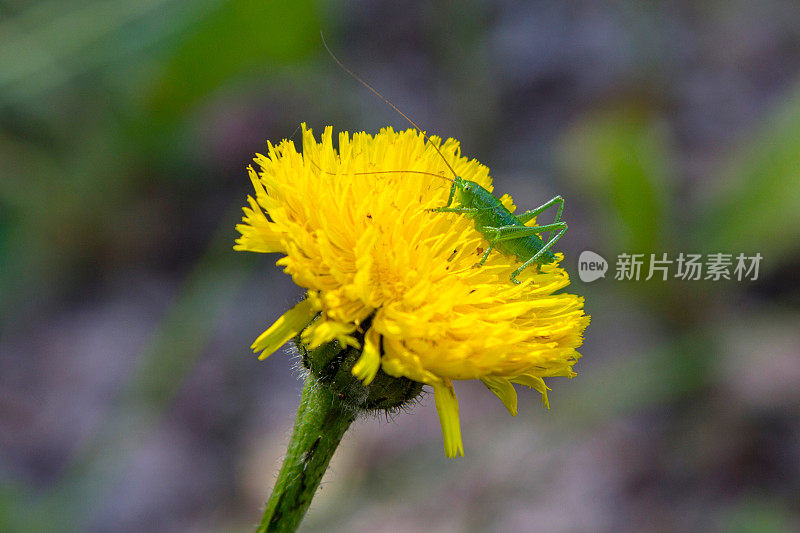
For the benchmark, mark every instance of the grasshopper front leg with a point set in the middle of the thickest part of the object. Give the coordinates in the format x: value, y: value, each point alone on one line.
x: 449, y: 198
x: 454, y: 210
x: 493, y: 241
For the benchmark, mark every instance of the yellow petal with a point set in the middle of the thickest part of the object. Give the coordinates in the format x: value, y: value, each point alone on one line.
x: 507, y: 202
x: 447, y: 407
x: 327, y: 330
x: 505, y: 391
x: 287, y: 326
x: 534, y: 382
x: 258, y: 233
x: 369, y: 363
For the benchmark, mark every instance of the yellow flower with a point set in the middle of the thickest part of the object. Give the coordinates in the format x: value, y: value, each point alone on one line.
x: 355, y: 230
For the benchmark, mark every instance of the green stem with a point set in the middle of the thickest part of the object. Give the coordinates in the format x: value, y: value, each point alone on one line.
x: 321, y: 421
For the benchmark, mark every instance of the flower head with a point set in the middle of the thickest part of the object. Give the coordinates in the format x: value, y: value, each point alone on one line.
x: 388, y: 276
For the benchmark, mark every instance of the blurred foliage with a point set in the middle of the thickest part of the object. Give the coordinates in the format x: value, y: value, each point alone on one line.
x: 757, y: 207
x: 622, y: 158
x: 98, y: 101
x: 240, y: 37
x: 75, y: 170
x: 623, y: 155
x: 757, y: 514
x: 80, y: 193
x: 51, y: 43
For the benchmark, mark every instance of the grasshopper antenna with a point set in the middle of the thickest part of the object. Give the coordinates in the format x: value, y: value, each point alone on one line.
x: 379, y: 95
x: 319, y: 168
x: 294, y: 132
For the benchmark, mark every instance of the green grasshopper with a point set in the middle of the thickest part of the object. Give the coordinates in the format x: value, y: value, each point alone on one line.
x: 501, y: 228
x: 504, y: 230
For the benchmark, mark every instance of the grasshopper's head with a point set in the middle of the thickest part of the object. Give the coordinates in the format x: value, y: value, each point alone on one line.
x: 464, y: 190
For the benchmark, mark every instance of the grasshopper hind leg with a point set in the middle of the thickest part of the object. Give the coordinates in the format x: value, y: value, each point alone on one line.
x: 557, y: 200
x: 562, y: 226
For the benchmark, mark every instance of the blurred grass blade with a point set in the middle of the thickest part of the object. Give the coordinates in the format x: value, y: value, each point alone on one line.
x: 757, y: 205
x: 621, y: 157
x: 240, y: 35
x: 50, y: 43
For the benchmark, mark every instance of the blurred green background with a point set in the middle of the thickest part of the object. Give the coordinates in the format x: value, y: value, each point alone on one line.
x: 129, y: 398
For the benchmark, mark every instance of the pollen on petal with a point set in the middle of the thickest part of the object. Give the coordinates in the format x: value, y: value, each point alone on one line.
x: 287, y: 326
x: 447, y: 407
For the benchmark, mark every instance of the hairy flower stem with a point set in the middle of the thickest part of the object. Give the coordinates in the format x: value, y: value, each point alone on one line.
x: 321, y: 422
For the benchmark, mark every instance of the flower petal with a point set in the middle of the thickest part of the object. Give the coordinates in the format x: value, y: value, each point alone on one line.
x: 447, y: 407
x: 507, y: 202
x: 258, y: 234
x: 323, y: 331
x: 369, y: 363
x: 505, y: 391
x: 534, y: 382
x: 287, y: 326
